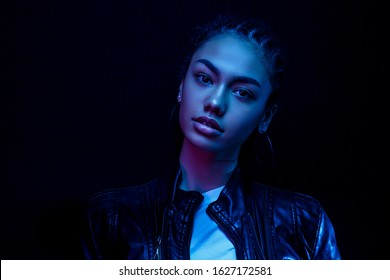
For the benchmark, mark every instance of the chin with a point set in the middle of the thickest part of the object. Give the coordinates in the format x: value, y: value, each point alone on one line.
x: 204, y: 143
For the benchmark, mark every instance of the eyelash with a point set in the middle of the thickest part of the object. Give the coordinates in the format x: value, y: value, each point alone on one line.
x: 201, y: 76
x: 249, y: 93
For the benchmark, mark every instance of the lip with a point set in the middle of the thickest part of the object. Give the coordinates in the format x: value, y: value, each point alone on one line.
x: 209, y: 122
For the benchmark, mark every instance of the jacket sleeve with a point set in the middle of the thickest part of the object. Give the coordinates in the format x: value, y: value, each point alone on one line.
x: 303, y: 228
x: 315, y: 229
x: 326, y: 246
x: 98, y: 226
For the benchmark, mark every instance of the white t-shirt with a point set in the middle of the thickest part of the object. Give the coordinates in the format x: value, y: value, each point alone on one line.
x: 208, y: 241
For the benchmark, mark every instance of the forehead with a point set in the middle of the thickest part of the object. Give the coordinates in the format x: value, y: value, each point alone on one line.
x: 232, y: 54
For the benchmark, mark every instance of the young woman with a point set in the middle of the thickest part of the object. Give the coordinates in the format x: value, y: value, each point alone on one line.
x: 209, y: 207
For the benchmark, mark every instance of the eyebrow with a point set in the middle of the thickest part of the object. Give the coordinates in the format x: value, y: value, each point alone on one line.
x: 216, y: 71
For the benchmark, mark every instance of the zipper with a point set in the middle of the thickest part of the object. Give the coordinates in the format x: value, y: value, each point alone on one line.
x: 232, y: 235
x: 157, y: 254
x: 258, y: 243
x: 160, y: 250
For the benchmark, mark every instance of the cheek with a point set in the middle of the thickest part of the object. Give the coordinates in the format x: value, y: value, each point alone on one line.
x: 244, y: 129
x: 185, y: 113
x: 191, y: 101
x: 243, y: 126
x: 182, y: 111
x: 245, y: 118
x: 186, y: 107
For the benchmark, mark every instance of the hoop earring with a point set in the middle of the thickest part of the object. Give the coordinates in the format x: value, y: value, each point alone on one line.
x: 264, y: 135
x: 271, y: 148
x: 175, y: 130
x: 172, y: 115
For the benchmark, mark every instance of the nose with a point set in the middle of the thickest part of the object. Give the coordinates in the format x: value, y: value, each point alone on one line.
x: 216, y: 102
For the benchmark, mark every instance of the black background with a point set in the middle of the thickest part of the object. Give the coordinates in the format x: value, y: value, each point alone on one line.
x: 87, y: 88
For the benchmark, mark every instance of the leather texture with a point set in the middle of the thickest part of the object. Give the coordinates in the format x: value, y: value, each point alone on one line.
x: 154, y: 221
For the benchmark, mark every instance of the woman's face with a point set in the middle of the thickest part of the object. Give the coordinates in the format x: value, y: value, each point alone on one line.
x: 224, y: 94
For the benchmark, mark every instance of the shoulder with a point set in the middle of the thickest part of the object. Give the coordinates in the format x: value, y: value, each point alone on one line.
x: 114, y: 197
x: 299, y: 217
x: 285, y: 198
x: 290, y: 208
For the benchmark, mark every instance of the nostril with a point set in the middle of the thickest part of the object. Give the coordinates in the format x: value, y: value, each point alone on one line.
x: 215, y: 106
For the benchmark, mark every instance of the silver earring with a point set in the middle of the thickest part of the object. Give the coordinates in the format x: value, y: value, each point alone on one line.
x: 179, y: 97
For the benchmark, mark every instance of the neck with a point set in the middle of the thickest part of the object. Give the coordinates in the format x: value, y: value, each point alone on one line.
x: 203, y: 170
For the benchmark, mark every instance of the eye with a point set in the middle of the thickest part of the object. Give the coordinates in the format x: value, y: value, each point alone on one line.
x: 243, y: 93
x: 204, y: 79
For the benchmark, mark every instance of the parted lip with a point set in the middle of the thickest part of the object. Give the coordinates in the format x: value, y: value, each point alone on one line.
x: 209, y: 122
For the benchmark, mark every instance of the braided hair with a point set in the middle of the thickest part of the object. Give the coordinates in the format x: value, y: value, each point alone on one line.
x: 254, y: 31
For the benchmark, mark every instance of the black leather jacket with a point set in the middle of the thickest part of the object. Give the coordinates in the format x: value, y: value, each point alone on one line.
x: 154, y: 221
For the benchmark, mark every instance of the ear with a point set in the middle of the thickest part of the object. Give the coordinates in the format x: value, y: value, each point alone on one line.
x: 266, y: 118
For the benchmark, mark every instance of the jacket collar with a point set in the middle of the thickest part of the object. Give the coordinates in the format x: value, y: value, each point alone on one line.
x: 231, y: 200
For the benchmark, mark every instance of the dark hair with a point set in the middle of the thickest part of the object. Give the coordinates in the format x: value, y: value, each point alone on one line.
x: 255, y: 31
